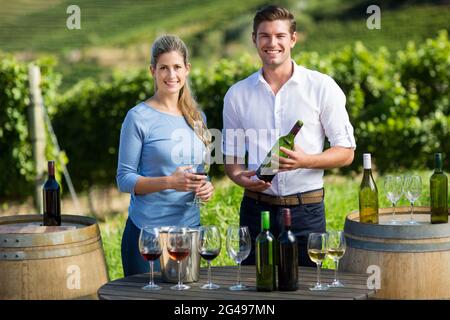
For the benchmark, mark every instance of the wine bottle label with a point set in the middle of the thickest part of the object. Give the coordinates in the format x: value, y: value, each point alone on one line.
x: 367, y: 161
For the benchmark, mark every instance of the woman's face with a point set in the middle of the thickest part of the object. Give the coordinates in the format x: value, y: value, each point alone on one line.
x: 170, y: 72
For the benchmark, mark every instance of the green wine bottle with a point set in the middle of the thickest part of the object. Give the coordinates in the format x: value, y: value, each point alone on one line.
x: 266, y: 170
x: 368, y: 194
x: 438, y: 192
x: 265, y: 256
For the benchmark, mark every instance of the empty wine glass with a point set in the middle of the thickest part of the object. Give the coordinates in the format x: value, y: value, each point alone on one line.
x: 150, y: 249
x: 335, y: 250
x: 200, y: 169
x: 413, y: 188
x: 239, y: 245
x: 317, y: 250
x: 179, y: 248
x: 209, y: 248
x: 394, y: 190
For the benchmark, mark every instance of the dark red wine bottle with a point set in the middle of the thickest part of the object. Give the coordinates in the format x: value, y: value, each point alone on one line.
x: 52, y: 198
x: 288, y: 256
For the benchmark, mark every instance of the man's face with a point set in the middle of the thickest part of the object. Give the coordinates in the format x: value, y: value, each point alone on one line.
x: 274, y: 42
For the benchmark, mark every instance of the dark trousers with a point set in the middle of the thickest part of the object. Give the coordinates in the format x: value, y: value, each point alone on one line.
x: 306, y: 219
x: 132, y: 261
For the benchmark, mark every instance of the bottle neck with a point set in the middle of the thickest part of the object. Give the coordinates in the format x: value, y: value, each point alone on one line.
x: 296, y: 128
x: 51, y: 170
x: 438, y: 163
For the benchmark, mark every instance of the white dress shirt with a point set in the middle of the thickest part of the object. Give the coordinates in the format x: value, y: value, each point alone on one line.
x: 262, y: 117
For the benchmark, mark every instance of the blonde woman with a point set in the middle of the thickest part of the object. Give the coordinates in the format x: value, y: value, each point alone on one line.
x: 153, y: 161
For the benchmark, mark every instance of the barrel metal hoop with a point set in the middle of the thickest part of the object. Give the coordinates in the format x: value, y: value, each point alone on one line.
x: 397, y: 247
x: 51, y: 253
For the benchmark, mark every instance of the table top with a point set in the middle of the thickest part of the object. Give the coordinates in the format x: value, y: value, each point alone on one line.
x: 130, y: 287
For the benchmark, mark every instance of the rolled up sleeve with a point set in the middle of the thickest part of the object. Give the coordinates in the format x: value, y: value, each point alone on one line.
x: 130, y: 147
x: 233, y: 132
x: 334, y: 116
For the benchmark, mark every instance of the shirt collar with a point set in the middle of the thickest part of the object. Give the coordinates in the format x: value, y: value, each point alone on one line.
x: 296, y: 75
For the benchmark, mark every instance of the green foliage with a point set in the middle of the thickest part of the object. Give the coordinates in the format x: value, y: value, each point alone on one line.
x: 16, y: 160
x: 398, y: 104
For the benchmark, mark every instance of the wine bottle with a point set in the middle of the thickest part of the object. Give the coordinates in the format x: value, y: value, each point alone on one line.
x: 265, y: 256
x: 287, y: 256
x: 51, y: 198
x: 368, y: 194
x: 266, y: 170
x: 438, y: 192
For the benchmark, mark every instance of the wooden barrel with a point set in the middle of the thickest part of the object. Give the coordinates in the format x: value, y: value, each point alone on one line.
x: 39, y: 262
x: 413, y: 260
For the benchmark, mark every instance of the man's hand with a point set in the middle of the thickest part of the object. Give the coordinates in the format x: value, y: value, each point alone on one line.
x: 243, y: 179
x: 296, y: 159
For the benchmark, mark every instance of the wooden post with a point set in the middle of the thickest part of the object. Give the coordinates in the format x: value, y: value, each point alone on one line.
x: 37, y: 133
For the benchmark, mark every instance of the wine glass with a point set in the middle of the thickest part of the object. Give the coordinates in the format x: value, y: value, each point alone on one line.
x: 179, y: 247
x: 200, y: 169
x: 209, y: 249
x: 150, y: 249
x: 394, y: 190
x: 336, y: 250
x: 239, y: 245
x: 413, y: 188
x: 317, y: 250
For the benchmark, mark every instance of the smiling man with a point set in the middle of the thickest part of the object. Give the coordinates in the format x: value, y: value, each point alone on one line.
x: 265, y: 106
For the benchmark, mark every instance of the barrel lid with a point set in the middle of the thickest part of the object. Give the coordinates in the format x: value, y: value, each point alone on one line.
x: 85, y: 228
x: 423, y: 230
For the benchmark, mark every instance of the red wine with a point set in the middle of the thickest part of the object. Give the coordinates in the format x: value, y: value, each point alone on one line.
x: 51, y: 193
x: 209, y: 255
x: 178, y: 255
x: 201, y: 173
x: 288, y: 256
x: 151, y: 255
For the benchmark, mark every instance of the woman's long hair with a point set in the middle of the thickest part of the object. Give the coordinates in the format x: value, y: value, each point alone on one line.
x: 186, y: 102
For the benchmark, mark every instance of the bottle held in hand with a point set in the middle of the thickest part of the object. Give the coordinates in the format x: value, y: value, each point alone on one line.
x: 266, y: 170
x: 51, y: 193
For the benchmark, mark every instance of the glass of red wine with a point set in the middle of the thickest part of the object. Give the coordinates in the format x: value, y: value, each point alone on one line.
x: 209, y: 245
x: 179, y: 248
x: 150, y: 249
x: 200, y: 169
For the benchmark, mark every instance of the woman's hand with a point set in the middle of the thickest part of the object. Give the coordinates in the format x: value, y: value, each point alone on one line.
x: 181, y: 180
x: 206, y: 191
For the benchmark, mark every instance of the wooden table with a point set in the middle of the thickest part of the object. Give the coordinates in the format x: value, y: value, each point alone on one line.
x: 130, y: 287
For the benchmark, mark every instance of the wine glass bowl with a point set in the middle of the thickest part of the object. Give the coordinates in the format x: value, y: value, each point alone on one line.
x: 209, y: 246
x: 335, y: 250
x: 150, y: 249
x: 239, y: 244
x: 413, y: 189
x: 317, y: 251
x: 179, y: 248
x: 393, y: 186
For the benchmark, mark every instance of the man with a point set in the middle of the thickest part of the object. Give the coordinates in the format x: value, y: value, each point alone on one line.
x: 269, y: 102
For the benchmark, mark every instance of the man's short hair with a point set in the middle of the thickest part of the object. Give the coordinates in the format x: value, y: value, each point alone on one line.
x: 272, y: 13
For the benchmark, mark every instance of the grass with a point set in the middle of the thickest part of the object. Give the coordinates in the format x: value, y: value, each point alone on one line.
x: 341, y: 197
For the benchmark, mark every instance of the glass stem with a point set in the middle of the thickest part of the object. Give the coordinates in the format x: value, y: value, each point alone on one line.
x: 318, y: 273
x: 239, y: 273
x: 151, y: 272
x: 209, y: 273
x: 336, y: 263
x: 393, y: 211
x: 179, y: 273
x: 412, y: 211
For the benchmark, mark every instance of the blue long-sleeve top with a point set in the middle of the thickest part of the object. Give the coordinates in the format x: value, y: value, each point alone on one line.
x: 154, y: 144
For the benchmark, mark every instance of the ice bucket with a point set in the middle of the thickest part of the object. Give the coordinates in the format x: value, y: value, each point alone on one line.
x: 190, y: 267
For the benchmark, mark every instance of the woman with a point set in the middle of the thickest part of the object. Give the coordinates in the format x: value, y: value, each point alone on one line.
x: 153, y: 163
